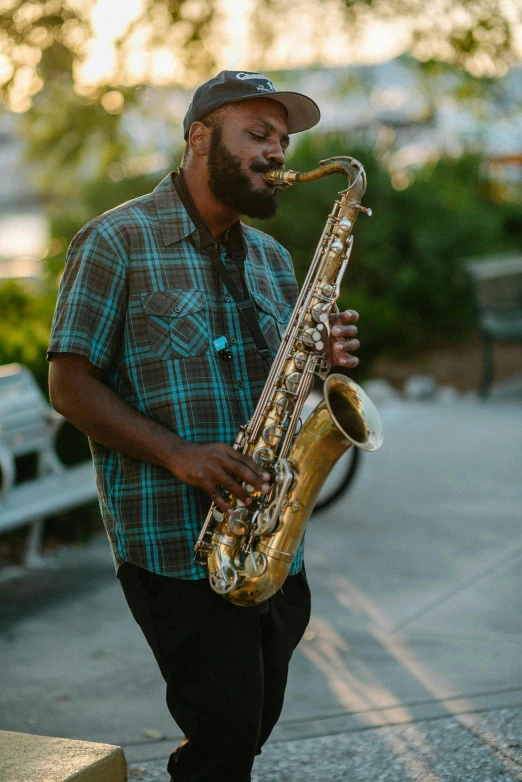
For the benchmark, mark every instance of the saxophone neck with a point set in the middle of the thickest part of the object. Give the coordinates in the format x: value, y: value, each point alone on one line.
x: 349, y: 166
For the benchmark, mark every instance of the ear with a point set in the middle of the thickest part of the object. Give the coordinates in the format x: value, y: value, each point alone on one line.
x: 199, y: 138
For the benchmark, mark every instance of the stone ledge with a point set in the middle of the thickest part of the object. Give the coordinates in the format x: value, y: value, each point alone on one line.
x: 46, y: 759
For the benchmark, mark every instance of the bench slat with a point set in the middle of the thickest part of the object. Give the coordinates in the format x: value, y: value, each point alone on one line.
x: 48, y: 495
x: 28, y: 425
x: 28, y: 439
x: 26, y: 420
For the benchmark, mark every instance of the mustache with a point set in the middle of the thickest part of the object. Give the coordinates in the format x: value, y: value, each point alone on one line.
x: 262, y: 168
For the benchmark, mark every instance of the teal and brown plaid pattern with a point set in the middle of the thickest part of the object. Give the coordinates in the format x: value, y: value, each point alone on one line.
x: 142, y: 303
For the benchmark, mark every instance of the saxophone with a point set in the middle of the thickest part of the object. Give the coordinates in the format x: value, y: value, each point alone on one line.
x: 249, y: 553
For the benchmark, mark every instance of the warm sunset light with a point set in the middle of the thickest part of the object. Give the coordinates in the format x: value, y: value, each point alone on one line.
x: 235, y: 42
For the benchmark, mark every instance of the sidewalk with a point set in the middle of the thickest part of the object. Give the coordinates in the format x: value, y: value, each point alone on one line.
x: 411, y: 666
x: 472, y: 748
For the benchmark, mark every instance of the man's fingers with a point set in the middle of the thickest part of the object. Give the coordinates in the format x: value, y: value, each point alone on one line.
x: 348, y: 361
x: 340, y: 352
x: 220, y: 501
x: 235, y: 488
x: 229, y: 483
x: 344, y: 332
x: 250, y: 478
x: 225, y: 468
x: 249, y: 471
x: 351, y: 344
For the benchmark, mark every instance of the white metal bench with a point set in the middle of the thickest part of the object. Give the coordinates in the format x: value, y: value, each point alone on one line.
x: 28, y: 425
x: 498, y: 289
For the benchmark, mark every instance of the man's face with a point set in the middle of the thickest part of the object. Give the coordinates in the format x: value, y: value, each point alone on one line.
x: 250, y: 140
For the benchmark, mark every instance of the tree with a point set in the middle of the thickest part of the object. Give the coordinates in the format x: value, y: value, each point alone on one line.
x: 45, y: 40
x: 475, y: 36
x: 74, y: 127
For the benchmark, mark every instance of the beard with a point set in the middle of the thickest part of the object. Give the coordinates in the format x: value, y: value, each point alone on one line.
x: 232, y: 186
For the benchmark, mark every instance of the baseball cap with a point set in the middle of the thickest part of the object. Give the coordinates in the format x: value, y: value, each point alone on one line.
x: 233, y: 86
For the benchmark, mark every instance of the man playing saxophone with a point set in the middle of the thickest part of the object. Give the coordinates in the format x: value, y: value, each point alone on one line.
x: 151, y: 356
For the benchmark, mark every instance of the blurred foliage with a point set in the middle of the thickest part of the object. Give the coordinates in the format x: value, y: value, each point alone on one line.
x: 77, y: 129
x: 475, y: 36
x: 40, y: 40
x: 26, y: 317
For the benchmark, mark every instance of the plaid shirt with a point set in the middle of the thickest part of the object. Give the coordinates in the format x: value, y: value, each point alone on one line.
x: 143, y: 303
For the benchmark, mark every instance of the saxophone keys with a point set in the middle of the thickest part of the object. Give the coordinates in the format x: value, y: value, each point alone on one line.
x: 320, y: 312
x: 345, y: 225
x: 255, y: 564
x: 312, y: 334
x: 238, y: 521
x: 285, y: 406
x: 337, y: 247
x: 224, y: 580
x: 328, y: 290
x: 263, y: 455
x: 314, y: 338
x: 292, y: 381
x: 272, y: 434
x: 300, y: 360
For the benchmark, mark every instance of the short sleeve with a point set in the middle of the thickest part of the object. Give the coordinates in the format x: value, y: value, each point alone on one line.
x: 91, y: 307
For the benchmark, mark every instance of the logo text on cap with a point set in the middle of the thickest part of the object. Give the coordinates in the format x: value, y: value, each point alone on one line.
x: 242, y: 76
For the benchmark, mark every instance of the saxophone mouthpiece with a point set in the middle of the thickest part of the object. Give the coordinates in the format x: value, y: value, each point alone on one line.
x: 281, y: 178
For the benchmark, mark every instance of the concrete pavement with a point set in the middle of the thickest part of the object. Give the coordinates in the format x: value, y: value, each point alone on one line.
x: 471, y: 748
x: 417, y: 608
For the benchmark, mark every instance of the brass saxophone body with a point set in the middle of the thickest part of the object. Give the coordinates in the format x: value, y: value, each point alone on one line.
x: 249, y: 554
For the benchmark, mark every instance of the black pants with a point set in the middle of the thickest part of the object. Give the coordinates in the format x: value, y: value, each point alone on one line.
x: 225, y: 667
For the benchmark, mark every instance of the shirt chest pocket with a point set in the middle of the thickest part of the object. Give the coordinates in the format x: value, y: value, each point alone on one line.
x: 176, y: 322
x: 273, y: 317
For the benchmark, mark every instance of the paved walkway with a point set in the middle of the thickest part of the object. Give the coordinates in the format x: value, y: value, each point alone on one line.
x: 416, y: 623
x: 471, y: 748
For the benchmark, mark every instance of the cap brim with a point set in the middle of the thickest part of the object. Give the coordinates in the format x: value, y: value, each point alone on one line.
x: 303, y: 113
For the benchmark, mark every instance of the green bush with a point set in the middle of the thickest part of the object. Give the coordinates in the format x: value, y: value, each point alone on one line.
x: 26, y: 314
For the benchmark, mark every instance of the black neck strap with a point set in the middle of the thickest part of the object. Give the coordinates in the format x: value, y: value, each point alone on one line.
x: 237, y: 248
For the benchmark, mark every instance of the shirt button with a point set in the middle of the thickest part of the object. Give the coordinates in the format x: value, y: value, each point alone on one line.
x: 240, y: 383
x: 233, y: 341
x: 177, y: 309
x: 227, y: 298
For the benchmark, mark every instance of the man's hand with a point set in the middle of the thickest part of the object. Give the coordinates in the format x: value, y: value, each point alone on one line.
x: 78, y: 392
x: 342, y: 339
x: 218, y: 465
